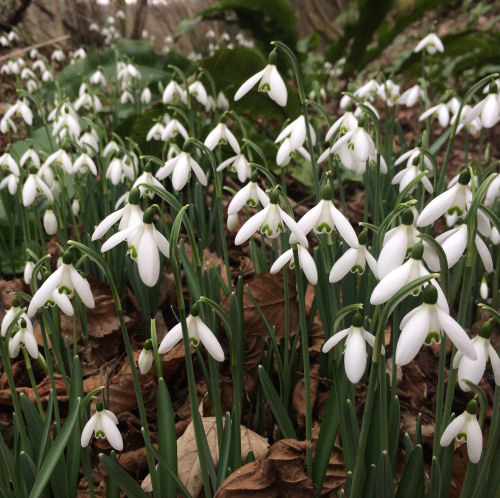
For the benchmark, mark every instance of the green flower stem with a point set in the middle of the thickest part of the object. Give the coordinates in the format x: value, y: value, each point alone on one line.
x: 303, y: 104
x: 29, y: 369
x: 128, y: 347
x: 305, y: 351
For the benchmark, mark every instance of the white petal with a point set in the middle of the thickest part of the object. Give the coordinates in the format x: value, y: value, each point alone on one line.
x: 117, y: 238
x: 344, y: 227
x: 483, y: 251
x: 474, y: 440
x: 213, y: 138
x: 307, y: 222
x: 181, y: 173
x: 455, y: 245
x: 210, y: 342
x: 232, y: 141
x: 162, y: 243
x: 372, y: 262
x: 31, y: 345
x: 82, y: 288
x: 390, y: 284
x: 248, y: 84
x: 473, y: 370
x: 334, y: 340
x: 294, y: 227
x: 355, y: 356
x: 456, y: 334
x: 171, y: 339
x: 452, y: 430
x: 200, y: 175
x: 281, y: 261
x: 29, y: 191
x: 495, y: 363
x: 107, y: 223
x: 148, y: 259
x: 239, y: 199
x: 437, y: 207
x: 277, y: 91
x: 43, y: 294
x: 308, y: 265
x: 412, y: 336
x: 88, y: 430
x: 393, y: 252
x: 343, y: 265
x: 285, y: 132
x: 112, y: 433
x: 251, y: 226
x: 62, y: 300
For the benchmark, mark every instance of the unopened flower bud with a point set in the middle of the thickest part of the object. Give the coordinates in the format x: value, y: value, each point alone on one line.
x: 146, y: 358
x: 50, y: 222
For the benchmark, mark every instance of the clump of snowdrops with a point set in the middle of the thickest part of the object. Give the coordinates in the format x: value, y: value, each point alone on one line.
x: 421, y: 264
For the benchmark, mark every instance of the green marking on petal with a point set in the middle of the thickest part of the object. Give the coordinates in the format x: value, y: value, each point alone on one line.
x: 65, y: 290
x: 133, y: 252
x: 251, y: 203
x: 433, y: 337
x: 100, y: 434
x: 462, y: 436
x: 357, y: 269
x: 266, y: 230
x: 455, y: 210
x: 264, y: 87
x: 194, y: 341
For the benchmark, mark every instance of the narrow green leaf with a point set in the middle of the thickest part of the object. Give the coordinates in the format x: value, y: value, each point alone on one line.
x: 225, y: 451
x: 412, y: 480
x: 121, y: 477
x: 384, y: 481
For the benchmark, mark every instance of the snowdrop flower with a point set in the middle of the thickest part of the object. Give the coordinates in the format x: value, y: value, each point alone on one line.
x: 222, y: 102
x: 98, y: 78
x: 415, y: 154
x: 355, y: 354
x: 287, y: 151
x: 118, y: 170
x: 10, y: 316
x: 79, y: 54
x: 127, y: 72
x: 466, y: 428
x: 408, y: 174
x: 146, y: 96
x: 27, y: 73
x: 426, y: 323
x: 488, y: 110
x: 306, y: 262
x: 197, y: 90
x: 30, y: 155
x: 271, y: 222
x: 21, y: 109
x: 269, y: 81
x: 145, y: 244
x: 8, y: 162
x: 103, y: 424
x: 130, y: 216
x: 493, y: 192
x: 155, y: 132
x: 347, y: 122
x: 400, y: 276
x: 198, y: 332
x: 145, y: 360
x: 83, y: 164
x: 431, y: 43
x: 67, y: 125
x: 238, y: 164
x: 11, y: 181
x: 88, y: 102
x: 222, y: 135
x: 367, y: 91
x: 441, y: 111
x: 483, y: 289
x: 453, y: 200
x: 250, y: 195
x: 126, y: 96
x: 353, y: 260
x: 111, y: 147
x: 75, y: 206
x: 397, y: 242
x: 325, y: 217
x: 473, y: 370
x: 24, y: 336
x: 32, y: 186
x: 50, y: 221
x: 58, y: 55
x: 454, y: 243
x: 66, y: 279
x: 296, y: 132
x: 172, y: 129
x: 389, y: 92
x: 173, y: 90
x: 60, y: 158
x: 148, y: 178
x: 180, y: 167
x: 28, y: 272
x: 6, y: 125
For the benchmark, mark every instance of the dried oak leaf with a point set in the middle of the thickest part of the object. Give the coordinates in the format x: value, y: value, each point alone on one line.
x: 189, y: 470
x: 299, y: 402
x: 280, y: 473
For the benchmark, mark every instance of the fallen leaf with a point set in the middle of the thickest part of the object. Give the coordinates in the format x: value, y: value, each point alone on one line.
x: 299, y: 402
x: 280, y: 473
x: 189, y: 470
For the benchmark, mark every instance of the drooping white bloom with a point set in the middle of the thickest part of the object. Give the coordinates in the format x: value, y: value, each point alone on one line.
x: 110, y: 147
x: 50, y: 222
x: 155, y: 132
x: 197, y: 90
x: 98, y: 78
x: 60, y: 158
x: 426, y: 323
x: 11, y: 181
x: 306, y: 262
x: 441, y: 111
x: 126, y: 96
x: 250, y: 195
x: 296, y: 132
x: 198, y: 332
x: 222, y: 102
x: 493, y: 192
x: 454, y: 243
x: 180, y: 167
x: 324, y: 217
x: 145, y: 244
x: 32, y: 186
x: 431, y: 43
x: 347, y: 122
x: 238, y: 164
x: 389, y: 92
x: 455, y: 199
x: 355, y: 354
x: 66, y: 126
x: 10, y: 316
x: 83, y: 164
x: 400, y: 276
x: 88, y: 102
x: 172, y: 90
x: 269, y: 81
x: 146, y: 96
x: 271, y: 222
x: 488, y: 109
x: 147, y: 178
x: 407, y: 175
x: 397, y: 242
x: 130, y: 215
x: 353, y: 260
x: 8, y: 162
x: 119, y: 169
x: 20, y: 109
x: 222, y: 135
x: 31, y: 156
x: 466, y: 428
x: 411, y: 96
x: 473, y: 370
x: 172, y: 129
x: 127, y: 72
x: 65, y: 279
x: 24, y: 336
x: 146, y: 358
x: 104, y: 425
x: 75, y: 206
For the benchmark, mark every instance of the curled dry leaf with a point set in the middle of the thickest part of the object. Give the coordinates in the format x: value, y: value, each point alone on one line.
x: 280, y: 473
x: 189, y: 470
